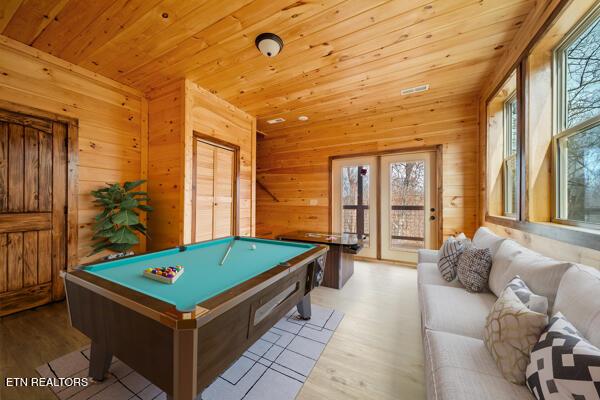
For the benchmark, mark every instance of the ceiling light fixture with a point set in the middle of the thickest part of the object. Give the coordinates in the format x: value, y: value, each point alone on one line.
x: 275, y: 120
x: 303, y: 118
x: 269, y: 44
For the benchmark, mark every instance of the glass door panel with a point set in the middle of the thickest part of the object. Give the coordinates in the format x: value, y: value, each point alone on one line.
x: 407, y: 191
x: 352, y: 211
x: 408, y: 199
x: 355, y: 201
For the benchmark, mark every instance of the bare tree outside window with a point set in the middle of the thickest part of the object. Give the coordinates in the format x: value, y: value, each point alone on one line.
x: 583, y: 76
x: 407, y: 184
x: 583, y: 175
x: 578, y: 143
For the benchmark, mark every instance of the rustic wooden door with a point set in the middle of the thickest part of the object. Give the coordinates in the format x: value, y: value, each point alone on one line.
x: 214, y: 188
x: 33, y: 200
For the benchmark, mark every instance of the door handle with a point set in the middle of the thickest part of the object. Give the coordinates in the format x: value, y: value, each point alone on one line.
x: 432, y: 218
x: 432, y: 209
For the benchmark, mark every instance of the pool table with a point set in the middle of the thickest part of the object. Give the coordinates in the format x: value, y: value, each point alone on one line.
x: 181, y: 336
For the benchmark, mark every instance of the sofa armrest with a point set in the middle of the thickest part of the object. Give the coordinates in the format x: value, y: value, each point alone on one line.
x: 427, y: 256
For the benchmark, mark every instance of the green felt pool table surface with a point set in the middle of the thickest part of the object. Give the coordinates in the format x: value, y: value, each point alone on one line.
x: 203, y: 277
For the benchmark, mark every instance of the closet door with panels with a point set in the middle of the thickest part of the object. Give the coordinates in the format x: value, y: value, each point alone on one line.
x: 214, y: 191
x: 223, y: 192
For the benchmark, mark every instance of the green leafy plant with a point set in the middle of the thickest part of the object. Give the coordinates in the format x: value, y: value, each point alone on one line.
x: 115, y: 227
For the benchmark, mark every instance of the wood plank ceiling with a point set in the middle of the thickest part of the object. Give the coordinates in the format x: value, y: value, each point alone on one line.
x: 340, y: 58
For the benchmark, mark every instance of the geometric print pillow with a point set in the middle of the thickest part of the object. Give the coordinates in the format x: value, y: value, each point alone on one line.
x: 449, y: 255
x: 563, y: 365
x: 533, y: 301
x: 473, y: 268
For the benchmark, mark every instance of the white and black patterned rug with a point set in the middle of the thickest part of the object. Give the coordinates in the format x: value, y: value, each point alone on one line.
x: 274, y: 368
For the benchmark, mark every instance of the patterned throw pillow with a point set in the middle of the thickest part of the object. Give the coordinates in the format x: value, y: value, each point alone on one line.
x: 473, y: 268
x: 511, y: 330
x: 449, y: 255
x: 533, y: 301
x: 563, y: 365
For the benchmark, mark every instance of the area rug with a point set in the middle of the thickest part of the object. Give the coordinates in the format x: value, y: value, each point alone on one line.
x: 274, y: 368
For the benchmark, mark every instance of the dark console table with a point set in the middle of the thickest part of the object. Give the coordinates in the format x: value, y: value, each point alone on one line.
x: 340, y: 258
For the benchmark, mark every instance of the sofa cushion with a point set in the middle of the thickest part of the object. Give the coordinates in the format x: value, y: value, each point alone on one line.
x: 578, y: 299
x: 508, y: 250
x: 428, y: 274
x: 460, y: 367
x: 542, y: 274
x: 427, y: 256
x: 510, y: 332
x: 563, y: 364
x: 455, y: 310
x: 484, y: 238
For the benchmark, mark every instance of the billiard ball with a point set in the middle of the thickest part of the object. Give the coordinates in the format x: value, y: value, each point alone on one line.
x: 253, y: 247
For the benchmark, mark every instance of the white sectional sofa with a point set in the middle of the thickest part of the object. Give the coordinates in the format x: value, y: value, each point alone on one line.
x: 458, y: 365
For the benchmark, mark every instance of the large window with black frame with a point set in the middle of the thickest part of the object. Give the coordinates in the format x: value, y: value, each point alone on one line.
x: 577, y: 137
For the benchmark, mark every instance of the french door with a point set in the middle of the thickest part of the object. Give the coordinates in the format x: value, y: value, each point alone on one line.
x: 408, y: 205
x: 354, y: 204
x: 407, y: 201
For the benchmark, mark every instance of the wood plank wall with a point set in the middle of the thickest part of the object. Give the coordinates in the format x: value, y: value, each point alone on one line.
x: 175, y: 112
x: 111, y: 126
x: 293, y: 163
x: 166, y: 124
x: 536, y: 20
x: 212, y: 116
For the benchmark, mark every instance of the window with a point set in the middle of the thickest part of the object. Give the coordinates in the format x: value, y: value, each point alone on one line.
x: 510, y: 157
x: 503, y: 150
x: 577, y: 139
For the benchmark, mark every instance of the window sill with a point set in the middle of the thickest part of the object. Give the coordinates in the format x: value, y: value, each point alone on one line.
x: 578, y: 236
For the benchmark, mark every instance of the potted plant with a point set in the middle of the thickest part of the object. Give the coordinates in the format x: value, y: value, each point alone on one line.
x: 118, y: 225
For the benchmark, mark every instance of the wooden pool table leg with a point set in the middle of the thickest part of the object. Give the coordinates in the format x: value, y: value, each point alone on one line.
x: 304, y: 308
x: 185, y: 365
x: 100, y: 359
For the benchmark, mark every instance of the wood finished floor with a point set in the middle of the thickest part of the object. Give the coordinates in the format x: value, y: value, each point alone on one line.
x: 376, y: 353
